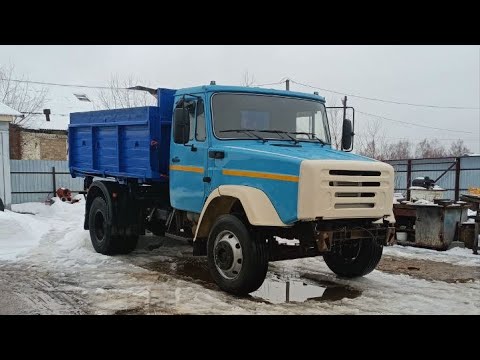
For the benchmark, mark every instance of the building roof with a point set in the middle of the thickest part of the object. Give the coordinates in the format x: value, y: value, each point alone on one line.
x: 65, y: 100
x: 7, y: 110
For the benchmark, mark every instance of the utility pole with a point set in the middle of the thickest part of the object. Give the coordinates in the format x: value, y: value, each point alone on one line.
x: 287, y: 84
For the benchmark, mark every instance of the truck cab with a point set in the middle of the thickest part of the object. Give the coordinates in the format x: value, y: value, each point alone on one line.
x: 233, y: 169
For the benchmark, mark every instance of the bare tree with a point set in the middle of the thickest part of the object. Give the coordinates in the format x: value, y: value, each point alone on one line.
x: 372, y: 141
x: 335, y: 118
x: 20, y: 95
x: 458, y: 148
x: 430, y: 149
x: 248, y: 79
x: 119, y: 97
x: 399, y: 150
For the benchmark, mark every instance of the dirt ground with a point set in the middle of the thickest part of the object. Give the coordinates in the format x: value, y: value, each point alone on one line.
x: 429, y: 270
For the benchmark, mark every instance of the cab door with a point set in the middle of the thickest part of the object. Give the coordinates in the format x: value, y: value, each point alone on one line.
x: 188, y: 161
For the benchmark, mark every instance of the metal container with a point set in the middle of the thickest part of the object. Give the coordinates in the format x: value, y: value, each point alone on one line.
x: 430, y: 226
x: 436, y: 226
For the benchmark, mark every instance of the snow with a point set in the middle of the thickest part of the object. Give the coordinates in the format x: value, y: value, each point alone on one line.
x: 19, y: 233
x: 7, y: 110
x: 435, y: 188
x: 55, y: 243
x: 455, y: 256
x: 424, y: 202
x: 34, y: 208
x: 471, y: 213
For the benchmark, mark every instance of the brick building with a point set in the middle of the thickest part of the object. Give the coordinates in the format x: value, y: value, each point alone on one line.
x: 37, y: 144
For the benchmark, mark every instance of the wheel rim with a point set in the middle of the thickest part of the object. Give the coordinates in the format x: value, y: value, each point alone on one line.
x: 228, y: 255
x: 99, y: 226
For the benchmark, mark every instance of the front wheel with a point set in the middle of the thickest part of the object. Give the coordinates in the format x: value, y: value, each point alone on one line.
x: 237, y: 261
x: 354, y: 259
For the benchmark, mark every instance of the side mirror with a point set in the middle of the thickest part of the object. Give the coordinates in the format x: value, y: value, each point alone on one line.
x: 347, y: 135
x: 181, y: 126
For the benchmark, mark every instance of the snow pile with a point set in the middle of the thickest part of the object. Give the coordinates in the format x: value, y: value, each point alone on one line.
x: 67, y: 243
x: 471, y: 213
x: 423, y: 202
x: 19, y: 233
x: 455, y: 256
x: 31, y: 208
x: 59, y: 225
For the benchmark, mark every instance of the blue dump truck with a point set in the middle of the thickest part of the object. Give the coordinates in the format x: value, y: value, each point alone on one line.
x: 231, y: 170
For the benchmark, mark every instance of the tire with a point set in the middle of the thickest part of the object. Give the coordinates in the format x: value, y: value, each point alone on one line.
x: 354, y: 260
x: 104, y: 241
x: 99, y: 223
x: 233, y: 276
x: 125, y: 242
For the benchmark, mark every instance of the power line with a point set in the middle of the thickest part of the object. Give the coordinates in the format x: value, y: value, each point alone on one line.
x: 385, y: 101
x: 66, y: 85
x: 413, y: 124
x: 275, y: 83
x: 415, y: 139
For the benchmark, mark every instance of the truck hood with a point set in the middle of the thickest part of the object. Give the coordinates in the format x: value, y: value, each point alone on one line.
x: 307, y: 151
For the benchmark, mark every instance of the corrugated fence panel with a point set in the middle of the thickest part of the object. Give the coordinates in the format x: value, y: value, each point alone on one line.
x: 32, y: 180
x: 470, y: 172
x: 400, y: 167
x: 433, y: 168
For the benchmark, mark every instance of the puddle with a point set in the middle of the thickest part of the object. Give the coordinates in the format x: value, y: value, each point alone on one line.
x: 196, y: 269
x: 305, y: 287
x: 278, y: 291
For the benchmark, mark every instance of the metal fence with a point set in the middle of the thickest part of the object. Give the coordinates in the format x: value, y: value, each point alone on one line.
x: 460, y: 173
x: 37, y: 180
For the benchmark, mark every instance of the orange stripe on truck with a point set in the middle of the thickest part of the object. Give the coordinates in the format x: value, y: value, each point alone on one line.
x: 260, y: 175
x: 195, y: 169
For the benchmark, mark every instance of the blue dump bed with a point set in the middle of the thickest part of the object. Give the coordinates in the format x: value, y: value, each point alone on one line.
x: 129, y: 143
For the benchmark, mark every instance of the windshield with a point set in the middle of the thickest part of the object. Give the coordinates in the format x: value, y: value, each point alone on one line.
x: 245, y: 116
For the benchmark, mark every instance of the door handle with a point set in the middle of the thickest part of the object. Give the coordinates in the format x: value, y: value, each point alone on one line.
x: 176, y: 159
x: 215, y: 154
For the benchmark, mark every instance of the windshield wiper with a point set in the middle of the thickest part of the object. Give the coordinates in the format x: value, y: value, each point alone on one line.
x: 281, y: 132
x: 246, y: 131
x: 312, y: 135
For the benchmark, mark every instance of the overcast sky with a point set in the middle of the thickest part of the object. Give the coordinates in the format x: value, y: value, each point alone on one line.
x: 436, y: 75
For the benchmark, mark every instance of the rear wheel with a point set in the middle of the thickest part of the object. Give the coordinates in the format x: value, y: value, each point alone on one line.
x: 354, y: 259
x: 237, y: 261
x: 100, y: 230
x: 105, y: 241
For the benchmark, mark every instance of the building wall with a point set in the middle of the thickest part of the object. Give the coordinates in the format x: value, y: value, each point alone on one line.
x: 5, y: 183
x: 42, y: 146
